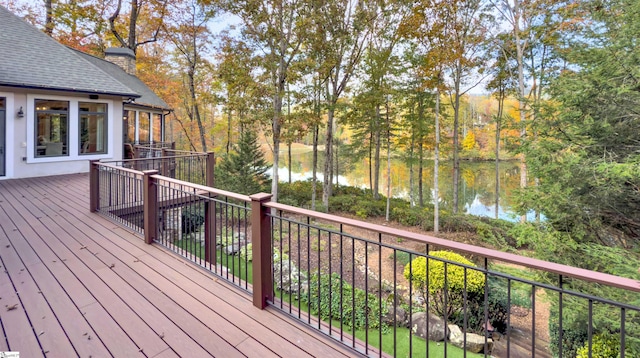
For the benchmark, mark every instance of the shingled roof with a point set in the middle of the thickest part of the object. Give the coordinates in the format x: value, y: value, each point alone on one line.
x: 147, y: 97
x: 31, y: 59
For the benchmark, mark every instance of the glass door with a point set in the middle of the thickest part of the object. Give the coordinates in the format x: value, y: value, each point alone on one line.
x: 3, y: 136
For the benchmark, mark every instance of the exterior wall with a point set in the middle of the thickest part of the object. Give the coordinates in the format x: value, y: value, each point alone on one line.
x: 21, y: 159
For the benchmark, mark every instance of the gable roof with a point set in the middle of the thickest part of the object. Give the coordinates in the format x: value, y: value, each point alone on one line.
x: 31, y: 59
x: 148, y: 98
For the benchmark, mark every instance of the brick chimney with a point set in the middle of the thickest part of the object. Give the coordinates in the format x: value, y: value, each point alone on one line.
x: 123, y: 57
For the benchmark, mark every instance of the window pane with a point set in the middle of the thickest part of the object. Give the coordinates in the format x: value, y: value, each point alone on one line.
x: 2, y: 103
x: 93, y: 128
x: 52, y: 122
x: 157, y: 128
x: 144, y: 134
x: 129, y: 126
x: 93, y: 107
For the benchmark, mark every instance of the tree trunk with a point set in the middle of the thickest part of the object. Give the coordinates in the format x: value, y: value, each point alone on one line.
x: 49, y: 24
x: 456, y: 140
x: 501, y: 96
x: 229, y: 131
x: 196, y: 108
x: 314, y: 176
x: 436, y: 168
x: 412, y: 201
x: 376, y: 158
x: 277, y: 106
x: 371, y: 160
x: 328, y: 163
x: 132, y: 25
x: 289, y: 159
x: 420, y: 169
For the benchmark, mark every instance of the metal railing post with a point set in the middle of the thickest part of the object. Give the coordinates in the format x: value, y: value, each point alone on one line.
x: 150, y: 204
x: 163, y: 162
x: 211, y: 164
x: 94, y: 186
x: 261, y: 250
x: 210, y: 232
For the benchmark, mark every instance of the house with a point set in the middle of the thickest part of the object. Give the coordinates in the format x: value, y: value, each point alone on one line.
x: 60, y: 108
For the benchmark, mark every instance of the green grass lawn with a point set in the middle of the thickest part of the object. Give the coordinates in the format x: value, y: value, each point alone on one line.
x: 402, y: 347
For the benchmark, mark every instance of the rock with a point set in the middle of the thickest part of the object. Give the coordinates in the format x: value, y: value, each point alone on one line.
x: 474, y: 342
x: 400, y: 317
x: 288, y: 278
x: 236, y: 245
x: 455, y: 335
x: 436, y: 327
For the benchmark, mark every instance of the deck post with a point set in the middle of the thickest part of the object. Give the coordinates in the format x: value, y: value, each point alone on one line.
x: 211, y: 164
x: 163, y: 162
x: 261, y: 250
x: 210, y: 232
x: 150, y: 204
x: 94, y: 186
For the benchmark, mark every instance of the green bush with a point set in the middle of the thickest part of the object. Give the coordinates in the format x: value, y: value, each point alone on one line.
x: 497, y: 309
x: 352, y: 302
x: 409, y: 216
x: 603, y: 345
x: 192, y: 218
x: 440, y: 291
x: 246, y: 253
x: 457, y: 223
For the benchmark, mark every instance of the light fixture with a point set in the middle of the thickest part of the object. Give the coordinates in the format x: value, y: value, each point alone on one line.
x: 20, y: 113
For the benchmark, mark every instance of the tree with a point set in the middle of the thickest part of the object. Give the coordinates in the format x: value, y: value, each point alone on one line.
x: 243, y: 170
x: 189, y: 34
x: 587, y: 153
x: 278, y: 28
x: 129, y: 33
x: 341, y: 35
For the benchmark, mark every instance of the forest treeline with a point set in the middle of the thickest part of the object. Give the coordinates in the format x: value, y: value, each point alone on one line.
x: 377, y: 78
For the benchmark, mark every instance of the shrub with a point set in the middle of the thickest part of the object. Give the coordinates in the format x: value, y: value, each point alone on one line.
x: 192, y: 218
x: 497, y: 309
x: 408, y: 216
x: 440, y: 291
x: 346, y: 302
x: 246, y: 253
x: 603, y: 345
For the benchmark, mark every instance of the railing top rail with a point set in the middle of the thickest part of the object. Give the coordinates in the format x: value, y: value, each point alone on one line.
x: 204, y: 188
x: 564, y: 270
x: 116, y: 167
x: 154, y: 158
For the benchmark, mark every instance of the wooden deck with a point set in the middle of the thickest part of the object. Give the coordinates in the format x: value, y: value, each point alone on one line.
x: 73, y: 283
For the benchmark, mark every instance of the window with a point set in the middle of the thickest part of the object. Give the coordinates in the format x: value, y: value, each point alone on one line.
x: 129, y: 125
x: 52, y: 123
x: 143, y: 129
x: 93, y: 128
x: 157, y: 127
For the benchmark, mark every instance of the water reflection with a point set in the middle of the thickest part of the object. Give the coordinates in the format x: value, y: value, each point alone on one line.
x: 477, y: 184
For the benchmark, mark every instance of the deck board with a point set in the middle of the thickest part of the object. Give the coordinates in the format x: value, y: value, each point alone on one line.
x: 131, y: 298
x: 273, y: 328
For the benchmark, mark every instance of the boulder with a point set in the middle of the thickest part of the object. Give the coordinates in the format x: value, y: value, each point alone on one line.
x: 399, y: 319
x: 423, y: 323
x: 236, y: 245
x: 288, y: 278
x: 474, y: 342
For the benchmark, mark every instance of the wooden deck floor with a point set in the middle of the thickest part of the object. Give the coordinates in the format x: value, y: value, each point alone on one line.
x: 73, y: 283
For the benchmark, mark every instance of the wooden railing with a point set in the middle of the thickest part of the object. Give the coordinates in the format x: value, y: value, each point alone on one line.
x: 342, y: 277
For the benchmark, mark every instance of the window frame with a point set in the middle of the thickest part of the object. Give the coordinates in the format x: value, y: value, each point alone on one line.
x: 105, y: 126
x: 64, y: 140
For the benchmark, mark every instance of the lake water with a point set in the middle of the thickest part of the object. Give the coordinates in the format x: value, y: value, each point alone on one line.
x: 477, y: 184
